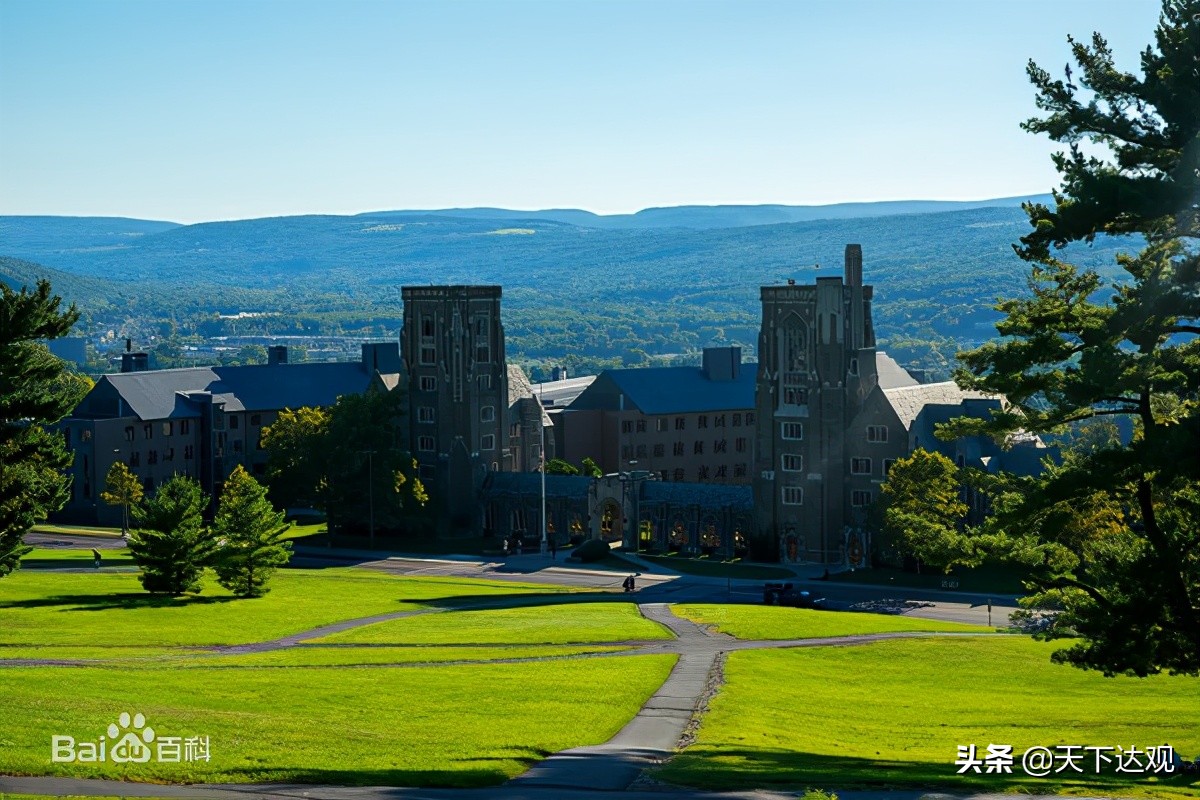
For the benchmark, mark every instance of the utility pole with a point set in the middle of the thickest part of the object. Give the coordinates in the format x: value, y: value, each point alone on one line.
x: 545, y: 548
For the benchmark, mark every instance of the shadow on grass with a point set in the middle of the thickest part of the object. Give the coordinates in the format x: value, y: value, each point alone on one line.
x: 106, y: 602
x: 726, y: 767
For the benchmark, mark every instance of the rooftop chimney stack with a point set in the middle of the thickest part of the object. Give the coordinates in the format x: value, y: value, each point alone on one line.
x: 854, y: 265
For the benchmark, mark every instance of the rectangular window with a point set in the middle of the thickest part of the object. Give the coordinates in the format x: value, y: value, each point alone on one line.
x: 483, y: 354
x: 148, y: 431
x: 877, y: 433
x: 425, y: 414
x: 641, y: 426
x: 739, y: 470
x: 233, y: 423
x: 860, y: 466
x: 662, y: 475
x: 626, y: 452
x: 702, y: 474
x: 189, y: 452
x: 488, y: 442
x: 681, y: 423
x: 428, y: 355
x: 256, y: 419
x: 627, y: 426
x: 152, y: 457
x: 135, y: 459
x: 702, y: 421
x: 184, y: 426
x: 660, y: 424
x: 641, y: 451
x: 860, y: 498
x: 487, y: 414
x: 427, y: 327
x: 793, y: 496
x: 660, y: 450
x: 428, y: 383
x: 795, y: 395
x: 129, y: 434
x: 739, y: 444
x: 737, y: 420
x: 719, y: 421
x: 792, y: 462
x: 678, y: 474
x: 166, y: 429
x: 719, y: 446
x: 721, y: 471
x: 485, y: 381
x: 425, y: 444
x: 678, y: 449
x: 698, y: 448
x: 749, y: 418
x: 793, y: 431
x: 481, y: 326
x: 169, y: 454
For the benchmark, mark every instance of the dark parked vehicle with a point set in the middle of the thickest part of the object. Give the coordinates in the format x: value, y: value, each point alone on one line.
x: 785, y: 594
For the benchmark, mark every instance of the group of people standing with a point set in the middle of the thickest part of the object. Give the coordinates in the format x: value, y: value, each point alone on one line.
x: 515, y: 545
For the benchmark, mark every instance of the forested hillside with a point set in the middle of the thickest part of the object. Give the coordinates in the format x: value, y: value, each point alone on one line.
x: 583, y: 296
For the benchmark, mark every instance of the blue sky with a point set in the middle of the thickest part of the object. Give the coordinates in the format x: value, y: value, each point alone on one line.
x: 195, y: 110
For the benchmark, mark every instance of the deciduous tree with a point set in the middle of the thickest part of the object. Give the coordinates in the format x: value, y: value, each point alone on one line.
x: 1075, y: 349
x: 33, y: 395
x: 924, y: 513
x: 122, y: 488
x: 249, y: 533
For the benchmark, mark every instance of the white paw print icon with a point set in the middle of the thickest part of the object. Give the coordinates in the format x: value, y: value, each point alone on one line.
x: 131, y: 746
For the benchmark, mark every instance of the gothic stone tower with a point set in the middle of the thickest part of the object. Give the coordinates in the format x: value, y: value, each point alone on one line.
x: 816, y: 366
x: 453, y: 349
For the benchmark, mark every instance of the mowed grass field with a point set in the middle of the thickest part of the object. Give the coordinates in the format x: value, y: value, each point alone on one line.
x: 355, y: 714
x: 57, y: 609
x: 891, y: 714
x: 452, y: 725
x: 559, y: 624
x: 778, y: 622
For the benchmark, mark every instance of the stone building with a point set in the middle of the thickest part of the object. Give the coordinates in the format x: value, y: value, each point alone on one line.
x: 471, y: 413
x: 197, y: 421
x: 683, y: 424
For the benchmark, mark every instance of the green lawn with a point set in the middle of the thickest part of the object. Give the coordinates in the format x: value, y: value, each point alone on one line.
x: 780, y: 622
x: 453, y: 725
x: 892, y: 714
x: 76, y: 530
x: 559, y: 624
x: 90, y: 609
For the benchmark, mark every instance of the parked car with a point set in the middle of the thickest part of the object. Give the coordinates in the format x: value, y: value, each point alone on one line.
x: 785, y: 594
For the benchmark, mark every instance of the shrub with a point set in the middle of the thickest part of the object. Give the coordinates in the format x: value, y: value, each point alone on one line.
x: 591, y: 550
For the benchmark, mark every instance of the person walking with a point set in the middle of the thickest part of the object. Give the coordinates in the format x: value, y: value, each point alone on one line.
x: 96, y: 557
x: 553, y: 550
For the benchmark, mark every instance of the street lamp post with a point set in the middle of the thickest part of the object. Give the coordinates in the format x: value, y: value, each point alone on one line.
x: 545, y: 548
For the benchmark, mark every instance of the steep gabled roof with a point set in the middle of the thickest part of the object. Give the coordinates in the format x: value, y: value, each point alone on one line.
x: 909, y: 401
x: 669, y: 390
x: 519, y: 388
x: 891, y: 374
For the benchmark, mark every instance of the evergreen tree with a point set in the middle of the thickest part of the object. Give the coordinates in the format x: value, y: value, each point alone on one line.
x: 33, y: 394
x: 170, y: 543
x: 250, y: 534
x: 122, y: 488
x: 1115, y: 532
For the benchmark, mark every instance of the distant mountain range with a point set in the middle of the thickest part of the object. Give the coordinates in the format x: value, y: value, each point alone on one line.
x: 662, y: 281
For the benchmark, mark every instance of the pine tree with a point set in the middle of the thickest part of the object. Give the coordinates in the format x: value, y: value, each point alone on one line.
x: 170, y: 543
x: 33, y: 395
x: 249, y: 531
x: 1114, y: 533
x: 122, y: 488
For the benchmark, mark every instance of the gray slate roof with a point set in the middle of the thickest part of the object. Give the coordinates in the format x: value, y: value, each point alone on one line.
x: 157, y: 394
x: 525, y: 484
x: 669, y: 390
x: 705, y: 495
x: 519, y: 387
x: 909, y: 401
x: 891, y: 374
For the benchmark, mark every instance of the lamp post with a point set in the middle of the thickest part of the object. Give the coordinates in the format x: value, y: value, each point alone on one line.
x: 545, y: 548
x: 370, y: 454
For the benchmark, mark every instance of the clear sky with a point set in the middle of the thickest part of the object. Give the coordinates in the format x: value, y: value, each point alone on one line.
x: 193, y: 110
